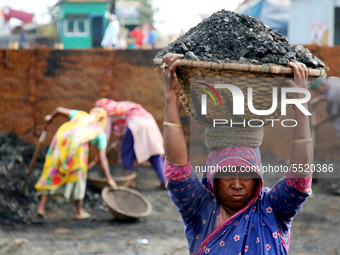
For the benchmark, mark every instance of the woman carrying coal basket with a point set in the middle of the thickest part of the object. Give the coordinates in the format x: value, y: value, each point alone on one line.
x: 65, y: 169
x: 231, y: 212
x: 141, y: 137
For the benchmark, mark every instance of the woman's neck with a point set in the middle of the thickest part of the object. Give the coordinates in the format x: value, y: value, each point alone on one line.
x: 229, y: 212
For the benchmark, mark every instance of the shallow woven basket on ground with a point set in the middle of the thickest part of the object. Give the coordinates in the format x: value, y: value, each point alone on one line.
x: 262, y: 78
x: 101, y: 182
x: 126, y: 204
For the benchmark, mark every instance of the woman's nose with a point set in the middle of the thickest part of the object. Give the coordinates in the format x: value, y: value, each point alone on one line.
x: 237, y: 183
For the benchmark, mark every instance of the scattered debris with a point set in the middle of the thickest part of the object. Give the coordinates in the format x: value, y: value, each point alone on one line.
x: 143, y: 241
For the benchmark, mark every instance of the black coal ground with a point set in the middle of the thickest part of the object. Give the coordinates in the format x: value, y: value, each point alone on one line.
x: 15, y: 157
x: 227, y: 36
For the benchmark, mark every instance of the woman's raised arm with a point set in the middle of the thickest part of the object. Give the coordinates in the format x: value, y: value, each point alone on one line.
x: 58, y: 111
x: 302, y: 146
x: 174, y: 142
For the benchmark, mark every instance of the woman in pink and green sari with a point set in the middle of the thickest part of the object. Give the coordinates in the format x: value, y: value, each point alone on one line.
x: 142, y: 139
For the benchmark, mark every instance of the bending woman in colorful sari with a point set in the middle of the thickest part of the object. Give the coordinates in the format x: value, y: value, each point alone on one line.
x: 142, y: 138
x: 65, y: 169
x: 232, y: 213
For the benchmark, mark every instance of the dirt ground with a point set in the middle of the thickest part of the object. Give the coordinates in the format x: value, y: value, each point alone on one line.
x: 315, y: 229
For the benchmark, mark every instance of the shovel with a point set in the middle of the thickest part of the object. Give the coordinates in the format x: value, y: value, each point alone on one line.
x: 32, y: 163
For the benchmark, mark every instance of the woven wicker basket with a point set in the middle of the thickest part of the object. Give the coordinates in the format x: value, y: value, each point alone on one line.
x: 101, y: 182
x: 262, y: 78
x: 126, y: 204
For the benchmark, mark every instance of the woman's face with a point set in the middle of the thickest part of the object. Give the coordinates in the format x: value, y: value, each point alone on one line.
x: 234, y: 190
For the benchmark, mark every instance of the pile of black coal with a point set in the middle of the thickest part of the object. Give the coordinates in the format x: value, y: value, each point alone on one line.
x: 227, y: 36
x: 15, y: 157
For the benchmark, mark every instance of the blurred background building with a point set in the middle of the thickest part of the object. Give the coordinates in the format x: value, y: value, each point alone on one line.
x: 29, y: 33
x: 314, y: 22
x: 82, y: 23
x: 305, y: 22
x: 274, y: 13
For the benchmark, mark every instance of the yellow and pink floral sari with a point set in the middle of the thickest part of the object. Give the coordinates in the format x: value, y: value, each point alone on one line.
x: 67, y: 157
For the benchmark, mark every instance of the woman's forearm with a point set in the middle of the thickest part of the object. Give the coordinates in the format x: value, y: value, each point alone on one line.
x: 60, y: 111
x: 174, y: 141
x: 104, y: 163
x: 302, y: 153
x: 105, y: 166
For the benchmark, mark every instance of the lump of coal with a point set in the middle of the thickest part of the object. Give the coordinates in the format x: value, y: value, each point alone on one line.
x: 228, y: 36
x: 191, y: 55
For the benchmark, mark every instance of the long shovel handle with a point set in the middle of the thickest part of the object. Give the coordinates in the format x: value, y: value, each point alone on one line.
x: 37, y: 149
x: 110, y: 148
x: 33, y: 160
